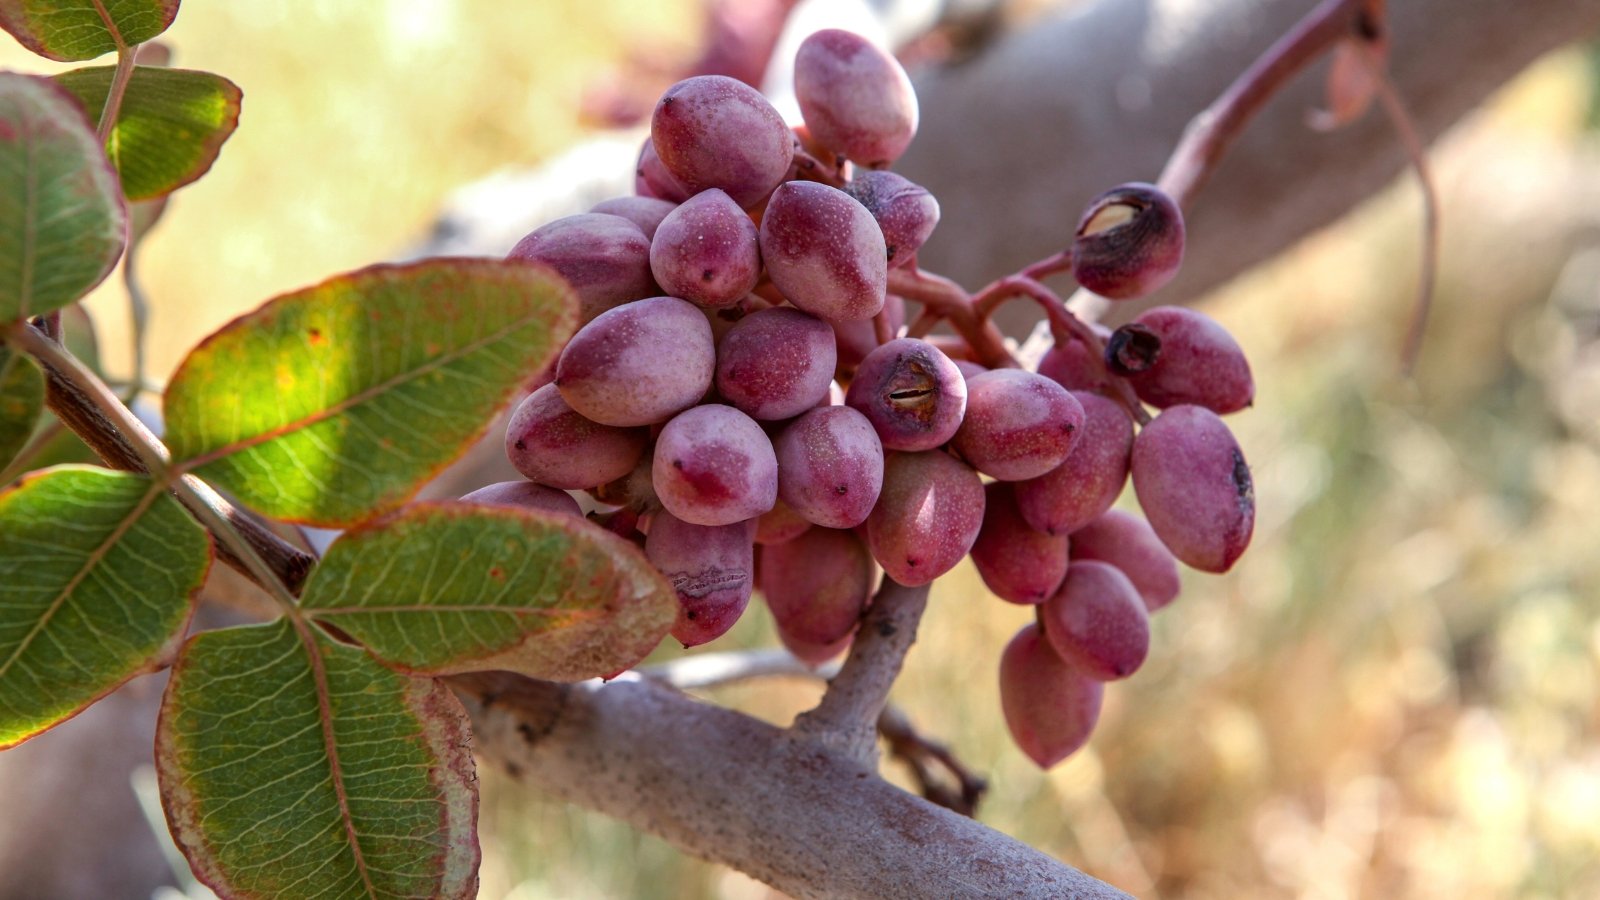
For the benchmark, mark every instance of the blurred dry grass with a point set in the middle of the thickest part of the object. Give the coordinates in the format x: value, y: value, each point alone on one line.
x: 1395, y: 693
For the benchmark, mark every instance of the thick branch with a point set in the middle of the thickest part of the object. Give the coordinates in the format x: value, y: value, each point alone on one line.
x: 737, y: 791
x: 847, y: 718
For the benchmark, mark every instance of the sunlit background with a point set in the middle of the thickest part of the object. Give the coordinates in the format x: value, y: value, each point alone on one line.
x: 1394, y: 694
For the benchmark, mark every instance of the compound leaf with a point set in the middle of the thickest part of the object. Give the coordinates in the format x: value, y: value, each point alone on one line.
x: 96, y: 577
x: 21, y: 401
x: 69, y: 30
x: 170, y: 127
x: 62, y: 218
x: 336, y: 403
x: 294, y: 766
x: 454, y: 587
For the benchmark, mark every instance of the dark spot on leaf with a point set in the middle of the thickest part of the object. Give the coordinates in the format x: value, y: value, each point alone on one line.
x: 497, y: 573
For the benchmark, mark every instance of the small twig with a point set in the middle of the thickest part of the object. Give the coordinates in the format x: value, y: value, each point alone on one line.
x: 911, y: 748
x: 1395, y: 109
x: 846, y: 719
x: 138, y: 321
x: 119, y: 87
x: 810, y: 168
x: 84, y: 404
x: 1212, y: 133
x: 1064, y: 326
x: 923, y: 324
x: 1062, y: 322
x: 943, y: 298
x: 1050, y: 265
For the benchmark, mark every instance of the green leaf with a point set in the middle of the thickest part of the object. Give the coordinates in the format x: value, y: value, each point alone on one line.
x: 170, y: 127
x: 457, y: 587
x: 69, y: 30
x: 95, y: 580
x: 21, y: 401
x: 62, y: 218
x: 292, y: 766
x: 332, y: 404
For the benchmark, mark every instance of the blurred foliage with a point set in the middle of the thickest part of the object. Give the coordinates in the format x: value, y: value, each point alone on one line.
x: 1394, y: 694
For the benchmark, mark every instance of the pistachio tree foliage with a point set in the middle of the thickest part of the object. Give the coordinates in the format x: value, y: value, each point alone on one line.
x: 718, y: 393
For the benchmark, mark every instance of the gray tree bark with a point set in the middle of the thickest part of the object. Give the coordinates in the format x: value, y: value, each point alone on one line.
x: 1016, y: 141
x: 776, y: 804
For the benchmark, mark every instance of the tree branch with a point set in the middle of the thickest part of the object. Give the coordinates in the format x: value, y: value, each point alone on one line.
x: 118, y: 450
x: 846, y: 721
x: 740, y: 792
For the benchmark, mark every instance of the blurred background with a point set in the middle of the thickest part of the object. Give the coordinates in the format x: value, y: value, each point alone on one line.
x: 1396, y: 693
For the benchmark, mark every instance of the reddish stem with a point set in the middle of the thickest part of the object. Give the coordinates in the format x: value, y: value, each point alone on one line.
x: 119, y: 86
x: 923, y: 324
x: 1064, y: 326
x: 809, y: 168
x: 947, y: 300
x: 1211, y: 133
x: 1050, y: 265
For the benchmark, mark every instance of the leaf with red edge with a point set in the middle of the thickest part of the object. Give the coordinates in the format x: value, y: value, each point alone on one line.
x: 62, y: 218
x: 170, y: 127
x: 440, y: 588
x: 69, y: 30
x: 336, y: 403
x: 294, y: 766
x: 97, y: 569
